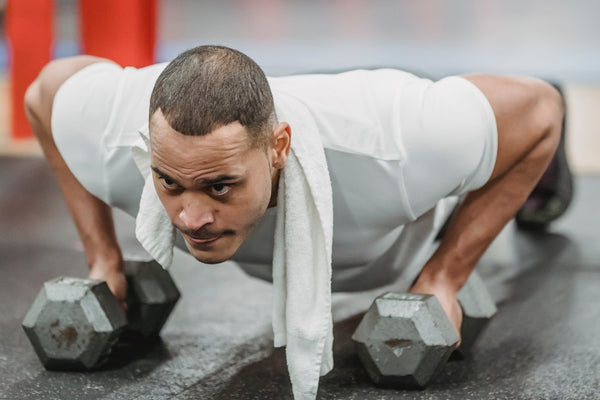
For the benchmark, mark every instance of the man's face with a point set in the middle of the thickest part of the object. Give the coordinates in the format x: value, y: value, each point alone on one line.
x: 215, y: 188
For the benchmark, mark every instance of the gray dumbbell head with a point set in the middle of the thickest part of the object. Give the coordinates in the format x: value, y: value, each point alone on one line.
x: 404, y: 339
x: 151, y: 296
x: 478, y: 308
x: 73, y: 323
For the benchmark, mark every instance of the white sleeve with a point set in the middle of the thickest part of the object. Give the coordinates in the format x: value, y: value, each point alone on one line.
x: 80, y: 115
x: 450, y: 142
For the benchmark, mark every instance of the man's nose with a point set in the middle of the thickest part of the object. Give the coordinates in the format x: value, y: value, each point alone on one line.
x: 194, y: 215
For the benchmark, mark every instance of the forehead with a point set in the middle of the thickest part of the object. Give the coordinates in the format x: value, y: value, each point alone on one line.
x: 225, y: 144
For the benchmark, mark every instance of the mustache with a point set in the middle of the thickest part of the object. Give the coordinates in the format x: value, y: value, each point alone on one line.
x: 203, y: 233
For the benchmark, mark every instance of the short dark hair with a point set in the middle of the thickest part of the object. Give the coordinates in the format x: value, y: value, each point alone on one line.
x: 208, y: 87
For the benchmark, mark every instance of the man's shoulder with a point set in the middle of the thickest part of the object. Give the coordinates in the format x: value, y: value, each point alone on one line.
x: 355, y: 111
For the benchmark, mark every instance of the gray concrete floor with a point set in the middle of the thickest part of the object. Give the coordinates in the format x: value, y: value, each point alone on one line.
x: 543, y: 343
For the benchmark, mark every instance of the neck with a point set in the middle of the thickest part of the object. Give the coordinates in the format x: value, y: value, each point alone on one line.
x: 274, y: 188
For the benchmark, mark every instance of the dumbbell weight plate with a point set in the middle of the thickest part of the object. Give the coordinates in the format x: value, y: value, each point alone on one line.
x: 151, y: 296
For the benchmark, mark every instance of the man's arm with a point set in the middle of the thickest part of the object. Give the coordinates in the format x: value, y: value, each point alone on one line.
x: 529, y: 115
x: 92, y: 217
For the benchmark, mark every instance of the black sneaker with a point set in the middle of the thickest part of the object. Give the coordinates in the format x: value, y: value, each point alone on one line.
x: 553, y: 193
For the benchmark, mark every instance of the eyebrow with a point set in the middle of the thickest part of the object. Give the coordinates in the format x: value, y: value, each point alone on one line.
x: 218, y: 179
x: 204, y: 181
x: 163, y: 175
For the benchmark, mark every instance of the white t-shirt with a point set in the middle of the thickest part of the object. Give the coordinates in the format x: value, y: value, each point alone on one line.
x: 395, y: 146
x: 399, y: 150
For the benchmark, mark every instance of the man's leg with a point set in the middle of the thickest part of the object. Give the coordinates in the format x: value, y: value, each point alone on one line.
x: 92, y: 217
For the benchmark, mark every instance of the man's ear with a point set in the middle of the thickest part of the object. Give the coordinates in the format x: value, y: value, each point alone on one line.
x: 281, y: 142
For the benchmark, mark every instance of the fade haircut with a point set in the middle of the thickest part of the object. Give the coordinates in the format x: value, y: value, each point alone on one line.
x: 208, y: 87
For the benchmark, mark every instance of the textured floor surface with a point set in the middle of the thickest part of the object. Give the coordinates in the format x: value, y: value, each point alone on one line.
x: 544, y: 342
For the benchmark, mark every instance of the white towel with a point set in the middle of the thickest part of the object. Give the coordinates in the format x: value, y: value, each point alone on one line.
x: 302, y: 317
x: 153, y: 228
x: 302, y: 255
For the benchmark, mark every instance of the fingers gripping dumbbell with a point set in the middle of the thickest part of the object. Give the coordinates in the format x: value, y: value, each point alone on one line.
x: 406, y: 339
x: 478, y: 308
x: 74, y: 323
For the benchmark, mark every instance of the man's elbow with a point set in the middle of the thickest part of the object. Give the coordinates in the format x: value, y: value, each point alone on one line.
x: 32, y: 100
x: 40, y: 94
x: 548, y: 115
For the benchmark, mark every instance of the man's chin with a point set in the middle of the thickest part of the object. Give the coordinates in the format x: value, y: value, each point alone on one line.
x: 208, y: 256
x: 210, y: 260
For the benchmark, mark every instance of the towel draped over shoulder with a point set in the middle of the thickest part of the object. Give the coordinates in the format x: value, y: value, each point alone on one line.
x: 302, y: 319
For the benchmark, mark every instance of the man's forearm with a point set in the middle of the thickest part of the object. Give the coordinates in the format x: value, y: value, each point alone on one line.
x: 94, y: 222
x: 476, y: 223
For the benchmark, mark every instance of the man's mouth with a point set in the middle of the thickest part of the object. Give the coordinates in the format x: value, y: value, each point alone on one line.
x: 203, y: 239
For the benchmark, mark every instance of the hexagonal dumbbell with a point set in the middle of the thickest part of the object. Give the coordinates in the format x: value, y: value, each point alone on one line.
x: 74, y: 323
x: 406, y: 339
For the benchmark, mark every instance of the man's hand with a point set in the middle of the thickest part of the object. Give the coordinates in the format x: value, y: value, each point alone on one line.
x: 447, y: 298
x: 114, y: 278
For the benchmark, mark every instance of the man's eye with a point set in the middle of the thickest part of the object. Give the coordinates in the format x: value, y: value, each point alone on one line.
x: 220, y: 189
x: 168, y: 183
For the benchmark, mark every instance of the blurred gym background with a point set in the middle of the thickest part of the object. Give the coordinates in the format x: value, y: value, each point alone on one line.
x: 218, y: 344
x: 554, y: 39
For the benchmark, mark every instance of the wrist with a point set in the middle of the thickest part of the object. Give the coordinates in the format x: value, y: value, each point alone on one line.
x: 434, y: 277
x: 105, y: 260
